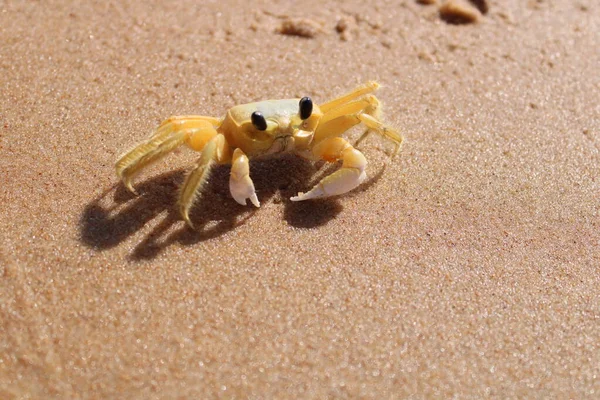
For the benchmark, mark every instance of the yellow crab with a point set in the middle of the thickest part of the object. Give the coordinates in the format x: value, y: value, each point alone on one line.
x: 267, y: 127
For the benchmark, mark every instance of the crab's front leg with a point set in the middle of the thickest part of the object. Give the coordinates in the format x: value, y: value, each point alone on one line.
x: 217, y: 150
x: 240, y: 184
x: 350, y: 175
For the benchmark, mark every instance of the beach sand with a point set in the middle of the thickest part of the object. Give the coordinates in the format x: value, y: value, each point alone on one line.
x: 467, y: 266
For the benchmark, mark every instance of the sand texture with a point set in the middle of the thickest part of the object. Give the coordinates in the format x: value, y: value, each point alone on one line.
x: 468, y: 266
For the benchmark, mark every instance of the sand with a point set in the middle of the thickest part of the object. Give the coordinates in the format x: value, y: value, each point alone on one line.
x: 468, y: 266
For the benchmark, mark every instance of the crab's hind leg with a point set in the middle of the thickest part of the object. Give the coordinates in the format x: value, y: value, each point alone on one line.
x: 366, y: 110
x: 215, y: 151
x: 339, y: 120
x: 361, y: 90
x: 374, y: 124
x: 172, y: 133
x: 350, y: 175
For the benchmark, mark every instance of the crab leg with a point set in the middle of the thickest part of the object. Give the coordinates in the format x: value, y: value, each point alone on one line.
x: 144, y: 154
x: 216, y: 150
x: 343, y: 180
x: 366, y: 110
x: 340, y: 119
x: 212, y: 120
x: 240, y: 184
x: 352, y: 108
x: 168, y: 137
x: 368, y: 87
x: 376, y: 125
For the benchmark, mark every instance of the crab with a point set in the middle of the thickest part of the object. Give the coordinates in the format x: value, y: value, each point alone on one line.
x: 265, y: 128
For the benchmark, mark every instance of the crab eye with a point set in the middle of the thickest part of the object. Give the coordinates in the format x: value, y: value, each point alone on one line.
x: 306, y: 107
x: 259, y: 121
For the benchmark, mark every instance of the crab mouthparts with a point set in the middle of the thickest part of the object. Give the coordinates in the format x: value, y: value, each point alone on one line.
x: 282, y: 144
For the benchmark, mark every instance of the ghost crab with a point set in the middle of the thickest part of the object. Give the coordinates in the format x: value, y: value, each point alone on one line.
x: 262, y: 128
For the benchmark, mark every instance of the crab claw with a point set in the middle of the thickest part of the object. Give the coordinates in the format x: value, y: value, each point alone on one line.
x: 343, y: 180
x: 240, y: 184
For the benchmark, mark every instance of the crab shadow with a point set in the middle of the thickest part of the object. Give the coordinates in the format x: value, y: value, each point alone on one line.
x: 117, y: 215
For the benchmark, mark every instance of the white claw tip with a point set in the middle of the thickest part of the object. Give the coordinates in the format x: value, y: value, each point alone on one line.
x: 298, y: 197
x: 316, y: 193
x: 240, y: 201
